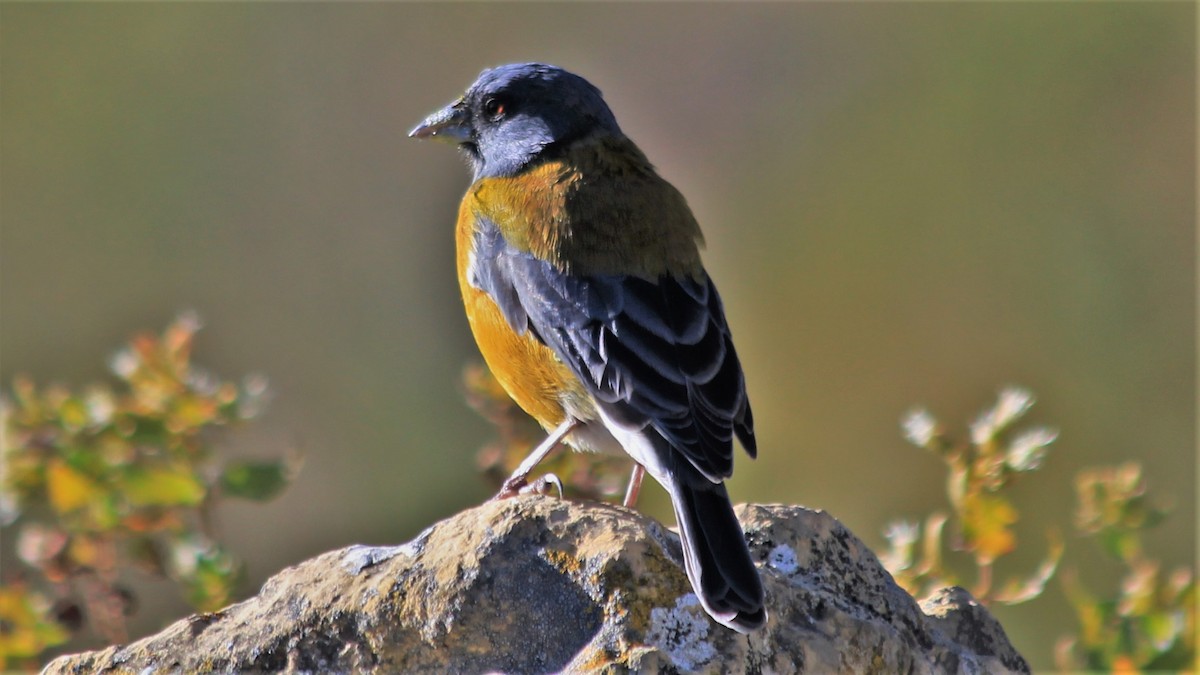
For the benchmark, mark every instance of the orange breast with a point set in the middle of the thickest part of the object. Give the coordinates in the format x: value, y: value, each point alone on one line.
x: 527, y: 369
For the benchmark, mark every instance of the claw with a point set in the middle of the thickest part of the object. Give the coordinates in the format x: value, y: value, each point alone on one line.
x: 542, y: 485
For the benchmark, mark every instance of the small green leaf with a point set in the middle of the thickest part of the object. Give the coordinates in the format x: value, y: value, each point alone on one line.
x: 207, y: 572
x: 29, y: 629
x: 1163, y: 628
x: 165, y: 486
x: 932, y: 544
x: 986, y: 525
x: 258, y: 481
x: 69, y: 489
x: 1120, y: 544
x: 956, y: 484
x: 73, y: 414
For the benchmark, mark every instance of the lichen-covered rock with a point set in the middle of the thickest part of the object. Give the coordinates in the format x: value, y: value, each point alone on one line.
x: 537, y: 584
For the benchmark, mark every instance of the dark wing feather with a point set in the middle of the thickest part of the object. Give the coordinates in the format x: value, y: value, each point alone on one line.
x: 655, y: 353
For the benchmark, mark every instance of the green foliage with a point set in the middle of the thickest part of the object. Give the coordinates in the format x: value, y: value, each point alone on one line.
x: 982, y: 516
x: 257, y: 481
x: 116, y: 477
x: 29, y: 627
x: 1150, y: 623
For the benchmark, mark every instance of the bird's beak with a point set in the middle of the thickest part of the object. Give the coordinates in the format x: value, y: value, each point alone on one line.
x: 448, y: 124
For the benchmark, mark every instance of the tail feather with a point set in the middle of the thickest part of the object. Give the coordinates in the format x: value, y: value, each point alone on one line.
x: 716, y: 557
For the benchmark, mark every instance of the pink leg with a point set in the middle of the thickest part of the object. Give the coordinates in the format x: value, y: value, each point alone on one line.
x: 635, y: 485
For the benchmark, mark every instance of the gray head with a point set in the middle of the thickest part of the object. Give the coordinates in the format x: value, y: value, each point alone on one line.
x: 518, y: 113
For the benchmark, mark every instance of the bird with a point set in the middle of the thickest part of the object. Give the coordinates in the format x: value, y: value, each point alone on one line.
x: 580, y: 272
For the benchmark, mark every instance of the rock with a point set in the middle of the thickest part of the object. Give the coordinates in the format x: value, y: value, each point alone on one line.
x: 538, y: 584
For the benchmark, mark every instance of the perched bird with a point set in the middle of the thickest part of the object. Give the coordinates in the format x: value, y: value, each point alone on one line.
x: 580, y: 271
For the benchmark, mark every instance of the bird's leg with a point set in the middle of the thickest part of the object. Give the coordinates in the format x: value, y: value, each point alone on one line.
x: 516, y: 481
x: 635, y: 485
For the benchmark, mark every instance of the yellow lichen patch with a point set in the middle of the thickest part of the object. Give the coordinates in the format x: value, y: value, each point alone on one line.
x: 564, y: 561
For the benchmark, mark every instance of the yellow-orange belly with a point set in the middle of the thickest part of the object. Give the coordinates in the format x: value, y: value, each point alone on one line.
x: 527, y: 369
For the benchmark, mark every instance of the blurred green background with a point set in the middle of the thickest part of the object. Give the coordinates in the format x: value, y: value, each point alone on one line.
x: 904, y: 203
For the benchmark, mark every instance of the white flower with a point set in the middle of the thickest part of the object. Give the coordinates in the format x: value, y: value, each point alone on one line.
x: 983, y: 428
x: 124, y: 363
x: 1014, y: 402
x: 902, y: 533
x: 919, y: 427
x: 1025, y: 452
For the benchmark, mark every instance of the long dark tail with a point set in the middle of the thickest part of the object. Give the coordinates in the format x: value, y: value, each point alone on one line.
x: 715, y: 554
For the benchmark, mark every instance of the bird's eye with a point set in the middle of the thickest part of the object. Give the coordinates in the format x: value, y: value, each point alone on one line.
x: 493, y: 108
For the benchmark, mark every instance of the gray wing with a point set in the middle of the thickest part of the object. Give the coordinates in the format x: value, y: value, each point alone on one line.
x: 655, y: 353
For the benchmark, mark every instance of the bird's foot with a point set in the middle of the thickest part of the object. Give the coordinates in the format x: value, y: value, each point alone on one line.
x: 543, y: 486
x: 518, y: 482
x: 511, y: 488
x: 520, y: 485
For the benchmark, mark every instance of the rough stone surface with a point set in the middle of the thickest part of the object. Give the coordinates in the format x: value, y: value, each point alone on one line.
x: 538, y: 584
